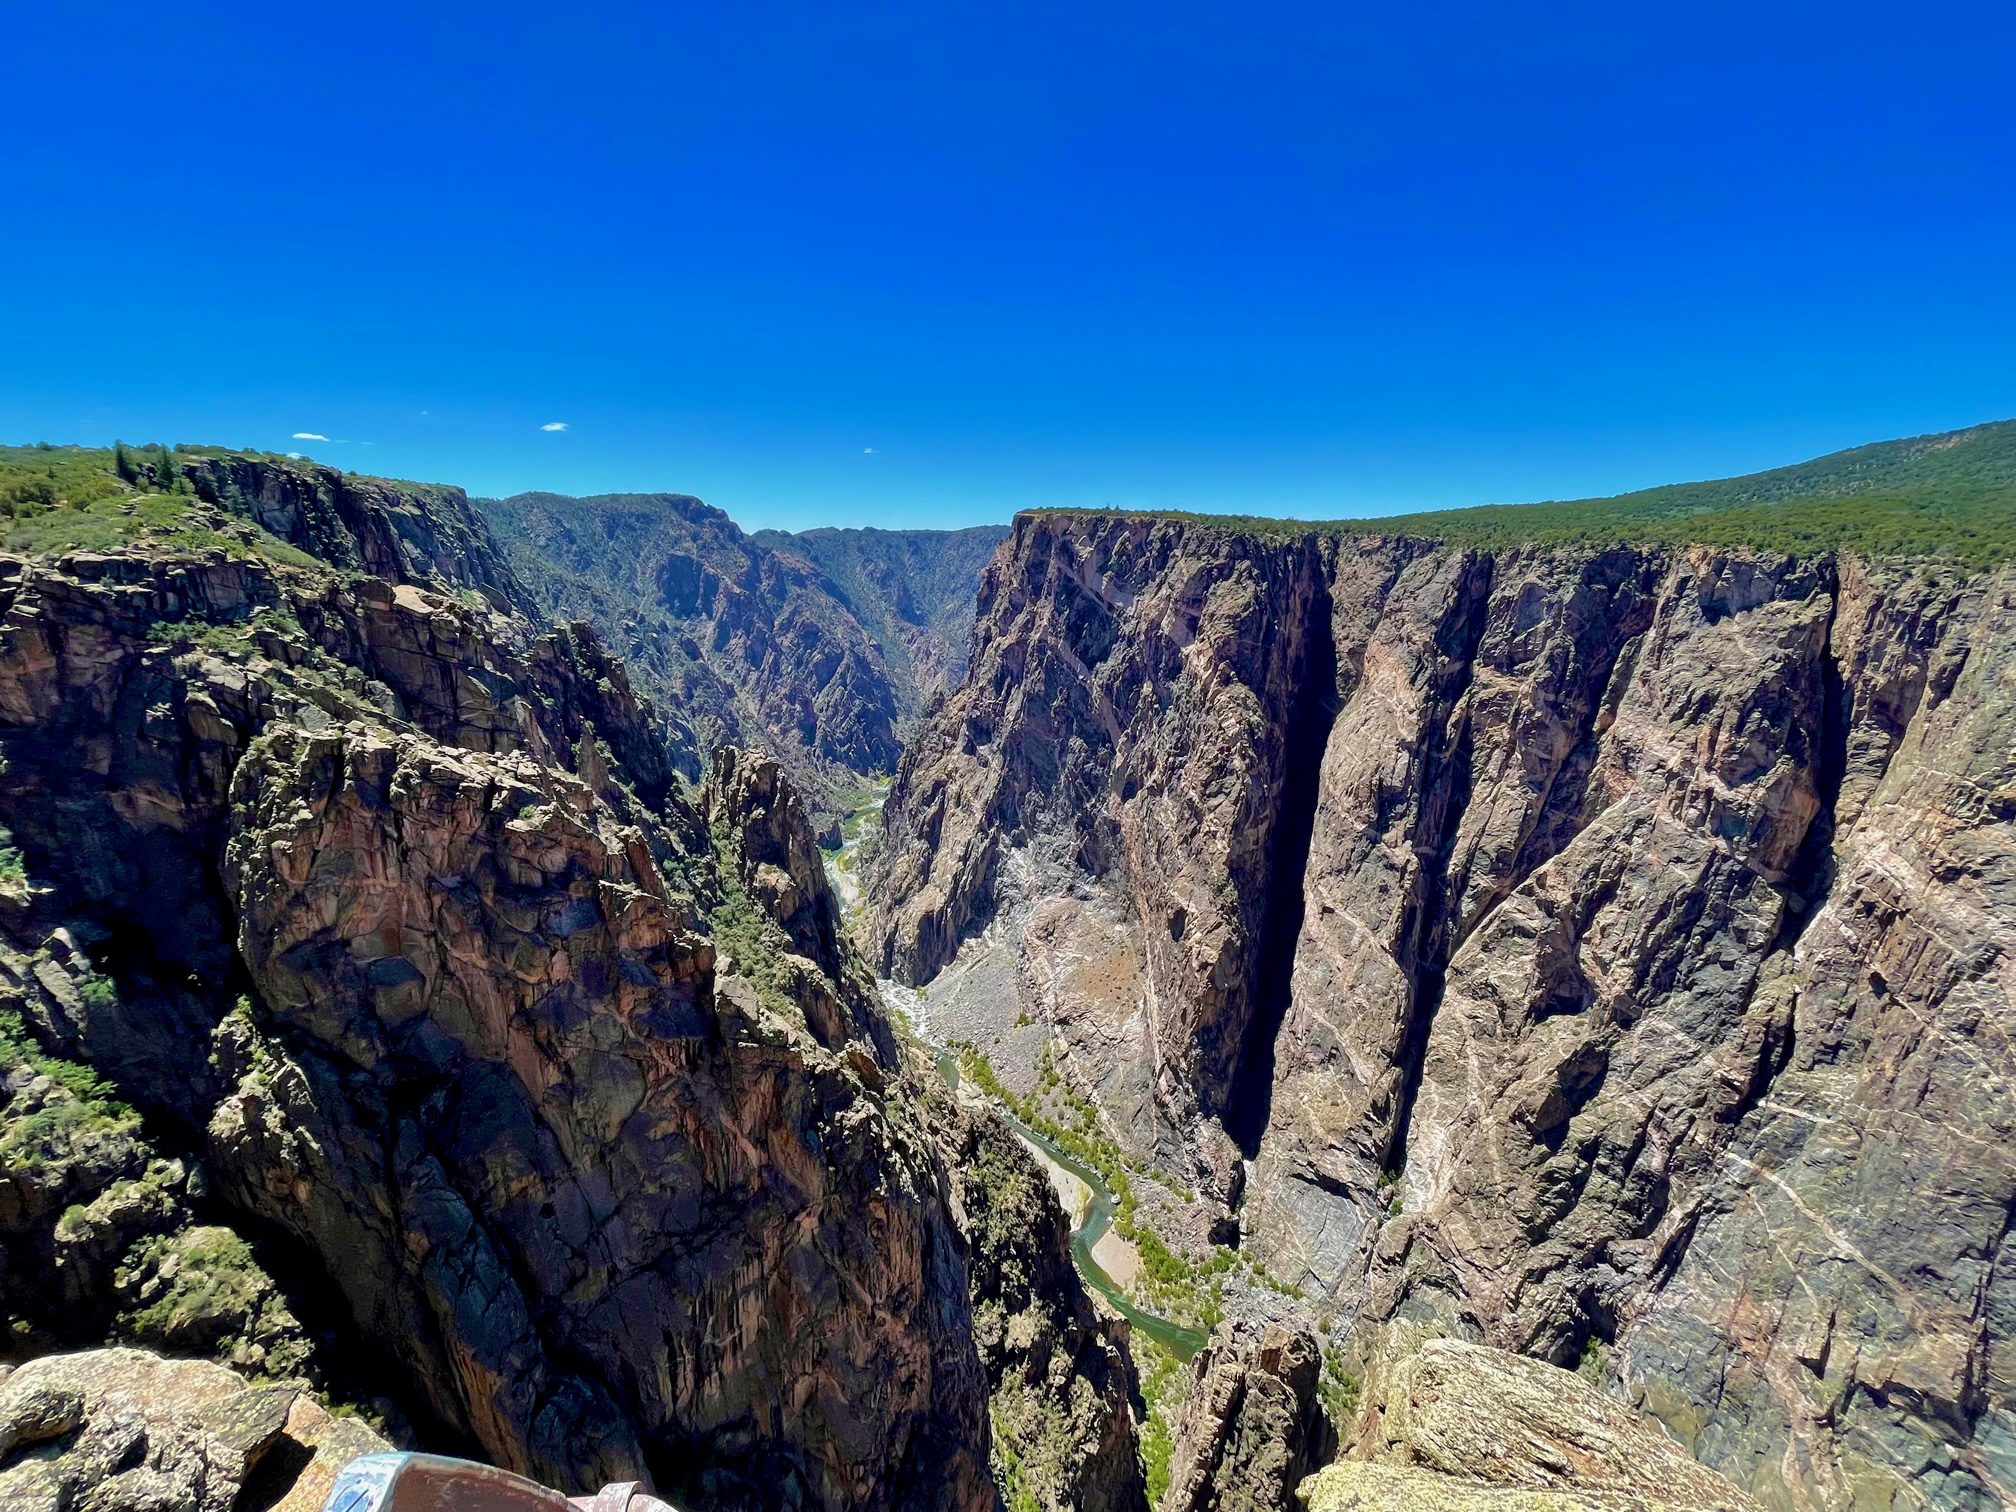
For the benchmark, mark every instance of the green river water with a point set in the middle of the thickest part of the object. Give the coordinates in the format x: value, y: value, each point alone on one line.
x: 1174, y: 1337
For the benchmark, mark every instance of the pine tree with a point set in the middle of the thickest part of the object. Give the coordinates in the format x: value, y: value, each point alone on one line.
x: 122, y: 463
x: 164, y: 472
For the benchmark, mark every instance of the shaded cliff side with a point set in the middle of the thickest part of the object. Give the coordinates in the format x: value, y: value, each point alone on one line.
x: 1603, y: 948
x: 398, y: 928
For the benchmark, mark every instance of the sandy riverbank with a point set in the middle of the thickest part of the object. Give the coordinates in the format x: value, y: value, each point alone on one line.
x: 1072, y: 1194
x: 1118, y: 1258
x: 1114, y: 1255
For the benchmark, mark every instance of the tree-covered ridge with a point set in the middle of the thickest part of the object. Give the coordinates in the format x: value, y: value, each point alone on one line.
x: 1951, y: 495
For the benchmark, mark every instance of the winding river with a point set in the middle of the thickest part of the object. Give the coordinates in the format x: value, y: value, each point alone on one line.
x: 1098, y: 1217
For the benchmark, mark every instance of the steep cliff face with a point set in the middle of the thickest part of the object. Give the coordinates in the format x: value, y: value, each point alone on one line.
x: 911, y: 590
x: 412, y: 944
x: 1088, y: 634
x: 1252, y: 1426
x: 401, y: 532
x: 1063, y: 1386
x: 1604, y: 949
x: 655, y: 1190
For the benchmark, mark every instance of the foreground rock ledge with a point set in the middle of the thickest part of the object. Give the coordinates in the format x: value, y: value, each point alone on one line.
x: 1443, y: 1423
x: 122, y: 1430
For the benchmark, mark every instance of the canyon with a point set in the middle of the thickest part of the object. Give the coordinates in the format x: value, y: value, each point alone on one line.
x: 1532, y: 997
x: 819, y: 646
x: 383, y: 1008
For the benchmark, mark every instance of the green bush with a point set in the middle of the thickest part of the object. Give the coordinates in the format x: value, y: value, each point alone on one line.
x: 1339, y: 1388
x: 13, y: 868
x: 754, y: 941
x: 75, y: 498
x: 217, y: 1290
x: 1162, y: 1394
x: 85, y: 1109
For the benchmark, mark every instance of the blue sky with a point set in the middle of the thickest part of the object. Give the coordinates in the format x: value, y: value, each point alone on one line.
x: 930, y: 264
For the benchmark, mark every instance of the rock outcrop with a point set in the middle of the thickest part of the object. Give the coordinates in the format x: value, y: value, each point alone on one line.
x: 122, y: 1430
x: 101, y: 1232
x: 1443, y: 1423
x: 401, y: 532
x: 517, y: 1081
x: 1602, y: 948
x: 1063, y: 1387
x: 771, y: 850
x: 1252, y: 1426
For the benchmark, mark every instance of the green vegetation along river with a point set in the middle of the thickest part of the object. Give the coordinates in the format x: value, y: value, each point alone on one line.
x: 1098, y: 1217
x: 1173, y: 1337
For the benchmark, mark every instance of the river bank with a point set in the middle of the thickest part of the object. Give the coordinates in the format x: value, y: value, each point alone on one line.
x: 1091, y: 1226
x: 1105, y: 1260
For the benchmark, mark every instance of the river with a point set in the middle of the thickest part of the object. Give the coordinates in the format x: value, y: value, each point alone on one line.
x: 1097, y: 1218
x: 1172, y: 1336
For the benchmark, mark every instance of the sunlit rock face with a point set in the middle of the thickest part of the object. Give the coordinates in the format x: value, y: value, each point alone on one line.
x: 1604, y: 951
x: 1444, y: 1425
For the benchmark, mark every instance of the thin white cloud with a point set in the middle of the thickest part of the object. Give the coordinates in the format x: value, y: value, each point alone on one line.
x: 554, y: 425
x: 309, y: 436
x: 295, y: 455
x: 867, y: 451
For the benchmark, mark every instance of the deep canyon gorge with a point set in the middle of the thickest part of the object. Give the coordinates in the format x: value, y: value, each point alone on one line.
x: 1534, y: 1000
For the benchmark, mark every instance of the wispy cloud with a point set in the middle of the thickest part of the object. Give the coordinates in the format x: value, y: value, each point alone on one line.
x: 309, y: 436
x: 554, y: 425
x: 867, y: 451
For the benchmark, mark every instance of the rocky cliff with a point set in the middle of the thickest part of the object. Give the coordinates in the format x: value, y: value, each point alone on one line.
x: 1252, y: 1427
x: 401, y: 532
x: 404, y: 956
x: 123, y: 1430
x: 911, y: 590
x: 1601, y: 948
x: 818, y: 646
x: 1449, y: 1426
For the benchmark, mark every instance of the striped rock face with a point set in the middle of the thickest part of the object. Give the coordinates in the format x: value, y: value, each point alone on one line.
x: 1605, y: 951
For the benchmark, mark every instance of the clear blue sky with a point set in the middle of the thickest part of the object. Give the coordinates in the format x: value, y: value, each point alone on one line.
x: 931, y: 263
